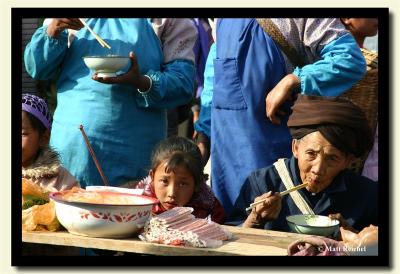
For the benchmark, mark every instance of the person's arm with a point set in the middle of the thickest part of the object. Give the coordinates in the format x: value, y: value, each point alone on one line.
x: 203, y: 125
x: 282, y: 92
x: 173, y: 85
x: 340, y: 67
x: 265, y: 211
x: 342, y: 221
x: 203, y: 143
x: 48, y: 46
x: 258, y: 185
x: 170, y: 87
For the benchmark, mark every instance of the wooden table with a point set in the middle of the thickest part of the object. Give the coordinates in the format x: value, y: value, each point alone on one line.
x: 246, y: 241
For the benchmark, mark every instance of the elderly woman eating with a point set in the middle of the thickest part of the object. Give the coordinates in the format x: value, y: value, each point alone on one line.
x: 327, y: 134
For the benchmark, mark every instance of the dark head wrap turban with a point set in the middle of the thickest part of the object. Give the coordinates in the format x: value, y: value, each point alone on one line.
x: 341, y: 122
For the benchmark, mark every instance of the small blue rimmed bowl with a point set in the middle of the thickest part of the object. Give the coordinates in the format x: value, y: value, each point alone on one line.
x: 313, y: 225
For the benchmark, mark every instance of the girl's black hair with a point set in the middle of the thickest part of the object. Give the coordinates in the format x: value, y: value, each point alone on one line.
x: 36, y: 123
x: 177, y: 151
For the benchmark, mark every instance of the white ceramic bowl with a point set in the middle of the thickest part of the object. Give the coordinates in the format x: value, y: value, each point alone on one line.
x: 106, y: 66
x: 313, y: 224
x: 104, y: 220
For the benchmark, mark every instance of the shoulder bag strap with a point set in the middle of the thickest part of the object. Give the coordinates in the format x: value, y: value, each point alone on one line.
x: 287, y: 181
x: 272, y: 30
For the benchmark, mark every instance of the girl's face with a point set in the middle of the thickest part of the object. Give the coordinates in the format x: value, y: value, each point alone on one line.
x: 173, y: 189
x: 31, y: 141
x: 319, y: 162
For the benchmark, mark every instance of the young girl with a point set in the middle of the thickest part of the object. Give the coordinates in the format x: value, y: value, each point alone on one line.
x: 41, y: 164
x: 176, y: 179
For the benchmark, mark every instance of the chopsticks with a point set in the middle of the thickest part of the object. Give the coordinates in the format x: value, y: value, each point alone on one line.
x: 103, y: 177
x: 98, y: 38
x: 283, y: 193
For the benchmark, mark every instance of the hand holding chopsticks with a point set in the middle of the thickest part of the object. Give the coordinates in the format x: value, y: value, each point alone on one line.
x: 58, y: 25
x: 283, y: 193
x: 98, y: 38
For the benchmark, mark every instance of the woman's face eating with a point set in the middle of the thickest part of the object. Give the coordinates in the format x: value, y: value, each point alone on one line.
x: 175, y: 188
x: 319, y: 162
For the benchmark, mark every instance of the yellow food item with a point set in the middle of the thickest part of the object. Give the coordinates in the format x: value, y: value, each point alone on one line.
x: 40, y: 213
x: 40, y: 217
x: 29, y: 188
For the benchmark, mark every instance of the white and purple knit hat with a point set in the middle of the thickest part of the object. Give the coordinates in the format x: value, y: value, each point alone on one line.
x: 37, y: 107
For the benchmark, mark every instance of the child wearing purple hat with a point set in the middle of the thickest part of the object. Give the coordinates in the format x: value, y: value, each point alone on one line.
x: 41, y: 164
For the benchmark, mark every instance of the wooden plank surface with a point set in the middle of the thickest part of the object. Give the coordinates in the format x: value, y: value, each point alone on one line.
x: 246, y: 241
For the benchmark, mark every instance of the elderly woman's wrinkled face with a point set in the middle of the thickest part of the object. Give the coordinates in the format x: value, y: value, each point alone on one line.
x: 319, y: 162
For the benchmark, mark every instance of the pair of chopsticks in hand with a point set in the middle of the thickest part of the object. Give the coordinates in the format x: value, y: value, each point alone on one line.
x: 283, y: 193
x: 98, y: 38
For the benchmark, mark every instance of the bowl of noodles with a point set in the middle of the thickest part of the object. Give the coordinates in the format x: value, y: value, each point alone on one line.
x: 102, y: 214
x: 313, y: 224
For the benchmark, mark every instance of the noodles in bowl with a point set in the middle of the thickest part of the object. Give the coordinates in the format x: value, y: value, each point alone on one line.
x: 104, y: 197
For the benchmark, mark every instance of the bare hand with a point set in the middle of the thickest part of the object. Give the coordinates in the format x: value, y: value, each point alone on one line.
x: 57, y: 25
x: 131, y: 77
x: 196, y: 116
x: 203, y: 144
x: 342, y: 222
x: 266, y: 211
x: 278, y: 95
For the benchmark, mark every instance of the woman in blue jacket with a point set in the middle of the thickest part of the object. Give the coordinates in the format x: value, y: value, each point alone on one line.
x: 124, y: 116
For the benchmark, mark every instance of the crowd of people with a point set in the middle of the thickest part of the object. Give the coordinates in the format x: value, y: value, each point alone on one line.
x: 266, y: 92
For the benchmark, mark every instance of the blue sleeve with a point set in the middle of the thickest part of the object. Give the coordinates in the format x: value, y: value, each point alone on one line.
x: 203, y: 125
x: 44, y: 54
x: 341, y: 66
x: 171, y: 87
